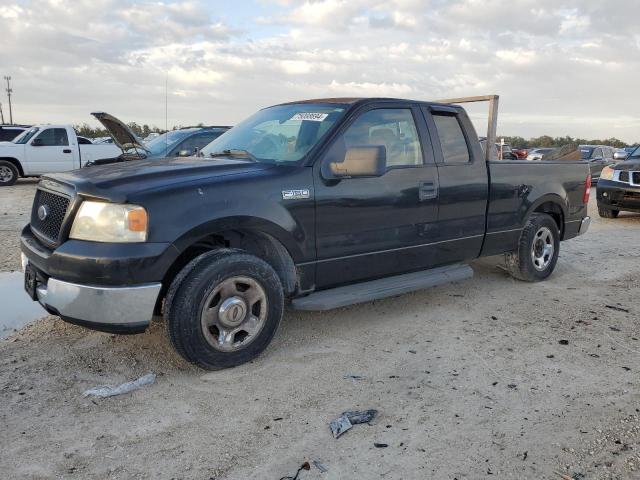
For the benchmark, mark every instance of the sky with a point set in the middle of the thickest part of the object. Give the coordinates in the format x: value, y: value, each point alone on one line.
x: 560, y: 67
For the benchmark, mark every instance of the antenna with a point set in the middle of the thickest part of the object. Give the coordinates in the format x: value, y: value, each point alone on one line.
x: 166, y: 112
x: 9, y: 90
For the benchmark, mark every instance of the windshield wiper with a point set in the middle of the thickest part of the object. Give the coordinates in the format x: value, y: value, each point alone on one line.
x: 234, y: 152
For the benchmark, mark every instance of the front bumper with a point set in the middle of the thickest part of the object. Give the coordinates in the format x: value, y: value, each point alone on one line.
x: 108, y: 287
x: 618, y: 195
x: 111, y: 309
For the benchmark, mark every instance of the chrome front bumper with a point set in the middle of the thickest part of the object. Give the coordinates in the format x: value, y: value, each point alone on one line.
x: 113, y: 309
x: 584, y: 225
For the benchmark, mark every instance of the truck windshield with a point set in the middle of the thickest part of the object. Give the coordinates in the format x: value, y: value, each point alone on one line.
x: 25, y: 136
x: 280, y: 134
x: 635, y: 153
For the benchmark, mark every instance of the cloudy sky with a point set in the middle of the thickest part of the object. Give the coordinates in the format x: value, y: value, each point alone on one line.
x: 560, y: 67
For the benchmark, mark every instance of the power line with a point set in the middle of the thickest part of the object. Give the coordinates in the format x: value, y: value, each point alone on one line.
x: 9, y: 90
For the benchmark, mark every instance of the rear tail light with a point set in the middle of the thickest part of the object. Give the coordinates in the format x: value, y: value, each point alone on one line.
x: 587, y: 190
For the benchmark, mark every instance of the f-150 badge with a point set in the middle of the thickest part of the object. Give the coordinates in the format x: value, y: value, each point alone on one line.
x: 295, y: 194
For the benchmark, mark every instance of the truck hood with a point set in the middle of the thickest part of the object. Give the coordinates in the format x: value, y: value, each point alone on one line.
x: 629, y: 164
x: 122, y: 135
x: 116, y: 182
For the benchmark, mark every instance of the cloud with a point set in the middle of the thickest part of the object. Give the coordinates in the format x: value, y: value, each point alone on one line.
x: 557, y: 59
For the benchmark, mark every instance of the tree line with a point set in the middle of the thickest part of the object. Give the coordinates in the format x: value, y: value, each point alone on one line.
x: 142, y: 131
x: 546, y: 141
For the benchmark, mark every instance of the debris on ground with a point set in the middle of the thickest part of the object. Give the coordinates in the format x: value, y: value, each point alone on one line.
x: 617, y: 309
x: 348, y: 419
x: 380, y: 445
x: 350, y: 376
x: 320, y: 466
x: 563, y: 342
x: 304, y: 466
x: 105, y: 391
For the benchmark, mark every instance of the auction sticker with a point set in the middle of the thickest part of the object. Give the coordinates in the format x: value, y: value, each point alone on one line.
x: 309, y: 116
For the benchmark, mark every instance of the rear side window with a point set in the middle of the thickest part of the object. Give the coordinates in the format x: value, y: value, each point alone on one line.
x: 452, y: 141
x: 53, y: 137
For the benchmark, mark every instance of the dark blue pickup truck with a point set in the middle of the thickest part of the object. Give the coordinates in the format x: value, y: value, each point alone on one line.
x: 315, y: 204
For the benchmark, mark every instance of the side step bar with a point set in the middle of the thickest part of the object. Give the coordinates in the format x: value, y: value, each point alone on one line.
x: 382, y: 288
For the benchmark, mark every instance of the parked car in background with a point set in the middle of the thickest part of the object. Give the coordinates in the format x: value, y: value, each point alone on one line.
x: 538, y: 153
x: 623, y: 153
x: 619, y: 187
x: 48, y: 149
x: 9, y: 132
x: 503, y: 152
x: 184, y: 142
x: 521, y: 153
x: 598, y: 156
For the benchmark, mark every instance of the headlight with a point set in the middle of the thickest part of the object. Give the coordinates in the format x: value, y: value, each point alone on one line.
x: 607, y: 173
x: 110, y: 222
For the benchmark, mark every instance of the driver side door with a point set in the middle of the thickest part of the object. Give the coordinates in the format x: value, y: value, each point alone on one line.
x: 367, y: 227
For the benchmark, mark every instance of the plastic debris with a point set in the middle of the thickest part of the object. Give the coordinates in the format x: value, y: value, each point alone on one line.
x: 381, y: 445
x: 105, y: 391
x: 350, y: 376
x: 320, y: 466
x: 348, y: 419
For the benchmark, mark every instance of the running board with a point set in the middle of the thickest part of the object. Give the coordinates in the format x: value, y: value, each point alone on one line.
x: 382, y: 288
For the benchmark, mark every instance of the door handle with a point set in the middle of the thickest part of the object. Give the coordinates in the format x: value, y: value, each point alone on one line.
x: 427, y: 191
x: 66, y: 150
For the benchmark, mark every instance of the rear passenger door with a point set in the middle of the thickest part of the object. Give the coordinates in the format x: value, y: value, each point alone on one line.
x: 370, y: 227
x: 463, y: 184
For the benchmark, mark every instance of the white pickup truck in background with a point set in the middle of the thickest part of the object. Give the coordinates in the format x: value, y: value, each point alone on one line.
x: 47, y: 149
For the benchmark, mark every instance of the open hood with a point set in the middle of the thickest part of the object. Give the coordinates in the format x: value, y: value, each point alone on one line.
x: 122, y: 135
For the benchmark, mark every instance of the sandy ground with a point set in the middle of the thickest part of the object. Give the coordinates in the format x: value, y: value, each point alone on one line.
x: 488, y: 378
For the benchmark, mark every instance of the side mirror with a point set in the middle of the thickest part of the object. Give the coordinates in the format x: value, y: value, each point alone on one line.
x: 366, y: 161
x: 37, y: 142
x: 184, y: 153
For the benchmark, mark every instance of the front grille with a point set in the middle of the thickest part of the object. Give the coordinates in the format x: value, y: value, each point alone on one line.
x: 624, y: 176
x: 56, y: 208
x: 636, y: 177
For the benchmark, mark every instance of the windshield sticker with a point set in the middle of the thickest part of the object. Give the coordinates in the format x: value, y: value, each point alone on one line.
x: 309, y: 116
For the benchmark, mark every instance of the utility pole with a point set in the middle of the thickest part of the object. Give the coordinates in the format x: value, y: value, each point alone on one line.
x: 9, y: 90
x: 1, y: 114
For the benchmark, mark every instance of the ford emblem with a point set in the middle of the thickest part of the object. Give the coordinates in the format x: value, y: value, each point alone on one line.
x: 43, y: 212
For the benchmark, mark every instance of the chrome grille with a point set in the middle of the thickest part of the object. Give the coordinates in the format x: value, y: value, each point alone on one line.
x: 624, y: 176
x: 48, y: 228
x: 635, y: 176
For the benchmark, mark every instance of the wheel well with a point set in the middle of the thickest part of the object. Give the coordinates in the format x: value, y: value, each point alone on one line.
x: 16, y: 163
x: 258, y: 243
x: 555, y: 211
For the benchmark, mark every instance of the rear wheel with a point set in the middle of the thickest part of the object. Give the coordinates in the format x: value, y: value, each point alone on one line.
x: 538, y: 249
x: 224, y: 309
x: 607, y: 212
x: 8, y: 173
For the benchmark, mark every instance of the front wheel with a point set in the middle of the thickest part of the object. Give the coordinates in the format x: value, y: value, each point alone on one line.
x: 224, y: 309
x: 607, y: 212
x: 538, y: 249
x: 8, y: 173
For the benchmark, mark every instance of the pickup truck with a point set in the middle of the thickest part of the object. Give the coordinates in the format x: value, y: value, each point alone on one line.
x: 618, y: 188
x: 315, y: 204
x: 48, y: 149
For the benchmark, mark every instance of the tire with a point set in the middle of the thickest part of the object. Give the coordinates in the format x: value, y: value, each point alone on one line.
x: 8, y: 173
x: 223, y: 309
x: 540, y: 238
x: 607, y: 212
